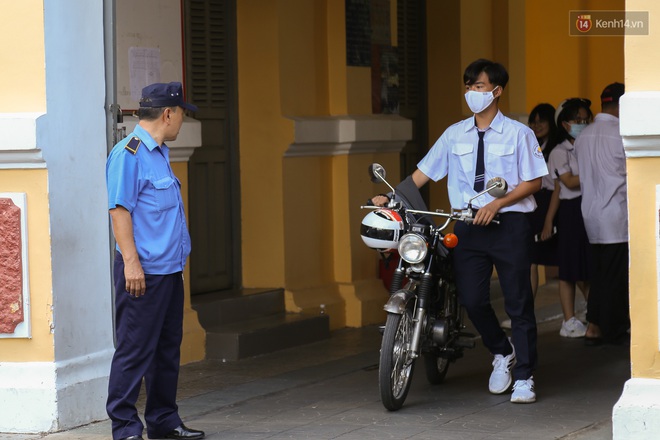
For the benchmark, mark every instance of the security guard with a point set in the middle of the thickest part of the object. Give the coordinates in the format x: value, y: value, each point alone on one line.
x: 153, y: 243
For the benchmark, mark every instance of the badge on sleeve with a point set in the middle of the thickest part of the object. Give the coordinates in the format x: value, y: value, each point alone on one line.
x: 133, y: 145
x: 538, y: 153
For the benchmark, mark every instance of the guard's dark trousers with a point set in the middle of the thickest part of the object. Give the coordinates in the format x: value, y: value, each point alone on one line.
x: 149, y: 332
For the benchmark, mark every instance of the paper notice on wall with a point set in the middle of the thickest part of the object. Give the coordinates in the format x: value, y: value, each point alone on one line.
x: 144, y: 67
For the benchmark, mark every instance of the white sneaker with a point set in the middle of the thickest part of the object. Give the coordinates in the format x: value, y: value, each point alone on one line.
x: 572, y: 328
x: 500, y: 378
x: 523, y: 391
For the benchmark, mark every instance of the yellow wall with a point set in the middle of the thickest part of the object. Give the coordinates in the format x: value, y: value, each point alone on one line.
x: 355, y: 264
x: 476, y: 33
x: 309, y: 223
x: 193, y: 346
x: 358, y: 84
x: 40, y: 347
x: 445, y: 77
x: 642, y: 179
x: 300, y: 216
x: 561, y: 66
x: 303, y: 55
x: 309, y: 233
x: 292, y: 63
x: 445, y: 69
x: 23, y: 89
x: 517, y: 60
x: 642, y: 54
x: 531, y: 39
x: 336, y: 43
x: 264, y: 135
x: 642, y: 63
x: 485, y: 33
x: 286, y: 76
x: 22, y: 57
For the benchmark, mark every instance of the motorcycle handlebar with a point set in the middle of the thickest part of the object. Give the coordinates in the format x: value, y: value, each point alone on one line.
x: 467, y: 215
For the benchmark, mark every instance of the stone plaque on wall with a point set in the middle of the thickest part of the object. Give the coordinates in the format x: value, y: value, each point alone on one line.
x: 14, y: 295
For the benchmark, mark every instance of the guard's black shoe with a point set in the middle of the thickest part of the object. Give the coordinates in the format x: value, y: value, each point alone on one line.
x: 133, y: 437
x: 184, y: 433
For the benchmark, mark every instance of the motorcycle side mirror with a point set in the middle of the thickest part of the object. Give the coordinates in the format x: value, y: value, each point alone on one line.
x: 377, y: 173
x: 497, y: 187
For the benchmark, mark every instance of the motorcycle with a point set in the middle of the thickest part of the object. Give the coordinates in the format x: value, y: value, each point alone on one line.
x: 424, y: 316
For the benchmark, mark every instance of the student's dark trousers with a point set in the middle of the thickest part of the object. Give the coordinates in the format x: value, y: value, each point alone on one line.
x: 507, y: 247
x: 608, y: 303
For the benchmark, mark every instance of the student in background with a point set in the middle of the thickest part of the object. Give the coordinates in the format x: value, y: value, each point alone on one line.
x: 544, y: 250
x: 573, y: 115
x: 544, y: 246
x: 602, y: 165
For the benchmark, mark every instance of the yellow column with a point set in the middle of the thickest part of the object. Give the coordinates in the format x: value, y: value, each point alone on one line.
x: 637, y: 413
x: 193, y: 346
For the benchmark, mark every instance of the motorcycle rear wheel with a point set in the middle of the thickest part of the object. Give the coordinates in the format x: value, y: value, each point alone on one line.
x: 396, y: 365
x: 436, y: 368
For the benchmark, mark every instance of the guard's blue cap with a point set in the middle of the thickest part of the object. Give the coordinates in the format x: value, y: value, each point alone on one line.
x: 165, y: 95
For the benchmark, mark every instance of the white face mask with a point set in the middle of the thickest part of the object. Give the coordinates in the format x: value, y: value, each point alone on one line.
x: 479, y: 101
x: 576, y: 129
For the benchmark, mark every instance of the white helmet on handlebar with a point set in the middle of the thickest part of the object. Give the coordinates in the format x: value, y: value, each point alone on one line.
x: 381, y: 229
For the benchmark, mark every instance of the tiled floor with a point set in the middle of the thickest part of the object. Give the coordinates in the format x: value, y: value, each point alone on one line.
x: 329, y: 390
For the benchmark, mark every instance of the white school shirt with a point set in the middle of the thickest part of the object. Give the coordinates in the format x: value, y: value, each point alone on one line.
x: 511, y: 151
x: 602, y: 164
x: 562, y: 160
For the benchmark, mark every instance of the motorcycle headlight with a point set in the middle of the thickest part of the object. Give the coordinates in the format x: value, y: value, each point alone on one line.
x: 413, y: 248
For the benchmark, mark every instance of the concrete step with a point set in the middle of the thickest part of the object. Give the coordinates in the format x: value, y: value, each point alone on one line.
x: 257, y: 336
x: 225, y: 307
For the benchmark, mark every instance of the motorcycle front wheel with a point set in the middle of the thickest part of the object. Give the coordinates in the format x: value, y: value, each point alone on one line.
x: 436, y: 368
x: 396, y: 365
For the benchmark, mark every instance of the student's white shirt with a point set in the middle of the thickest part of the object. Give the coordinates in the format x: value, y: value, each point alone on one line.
x: 511, y: 151
x: 602, y: 165
x: 562, y: 160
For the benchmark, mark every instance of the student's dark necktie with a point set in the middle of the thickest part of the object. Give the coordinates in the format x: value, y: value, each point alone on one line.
x: 479, y: 174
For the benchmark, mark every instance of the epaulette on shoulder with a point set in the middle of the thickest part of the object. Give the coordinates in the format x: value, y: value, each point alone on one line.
x: 133, y: 145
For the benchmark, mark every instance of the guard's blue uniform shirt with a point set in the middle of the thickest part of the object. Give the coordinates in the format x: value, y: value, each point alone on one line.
x: 145, y: 185
x: 511, y: 151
